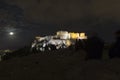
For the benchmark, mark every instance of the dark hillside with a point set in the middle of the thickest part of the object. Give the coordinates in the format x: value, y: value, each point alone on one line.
x: 59, y: 65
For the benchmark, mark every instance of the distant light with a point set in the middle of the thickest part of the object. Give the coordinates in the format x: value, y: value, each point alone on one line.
x: 83, y: 36
x: 11, y: 33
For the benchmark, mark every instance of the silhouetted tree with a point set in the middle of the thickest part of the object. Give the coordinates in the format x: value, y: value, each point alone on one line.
x: 94, y: 47
x: 115, y: 49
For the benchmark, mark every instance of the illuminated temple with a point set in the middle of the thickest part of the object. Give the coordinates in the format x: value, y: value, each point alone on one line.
x: 66, y: 35
x: 62, y: 39
x: 71, y: 35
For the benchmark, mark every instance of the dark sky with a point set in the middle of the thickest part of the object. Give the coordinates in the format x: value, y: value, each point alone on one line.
x: 67, y: 10
x: 28, y: 18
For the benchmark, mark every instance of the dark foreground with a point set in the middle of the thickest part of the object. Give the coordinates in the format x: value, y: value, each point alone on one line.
x: 59, y: 65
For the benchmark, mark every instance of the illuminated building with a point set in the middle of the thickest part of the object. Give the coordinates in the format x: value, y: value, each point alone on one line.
x: 62, y: 39
x: 82, y: 36
x: 63, y: 34
x: 74, y: 35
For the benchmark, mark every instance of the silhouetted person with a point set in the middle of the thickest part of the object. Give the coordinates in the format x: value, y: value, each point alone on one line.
x: 94, y: 47
x: 115, y: 49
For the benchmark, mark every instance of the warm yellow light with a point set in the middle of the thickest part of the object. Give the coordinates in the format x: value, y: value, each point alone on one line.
x: 63, y: 35
x: 74, y: 35
x: 68, y: 42
x: 82, y: 36
x: 62, y: 32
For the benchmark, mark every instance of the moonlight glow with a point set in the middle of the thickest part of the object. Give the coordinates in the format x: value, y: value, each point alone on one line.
x: 11, y: 33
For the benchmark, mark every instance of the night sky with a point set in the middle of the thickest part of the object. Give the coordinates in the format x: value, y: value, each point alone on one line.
x: 29, y: 18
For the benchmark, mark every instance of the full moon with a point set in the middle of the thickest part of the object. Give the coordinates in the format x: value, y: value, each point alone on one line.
x: 11, y: 33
